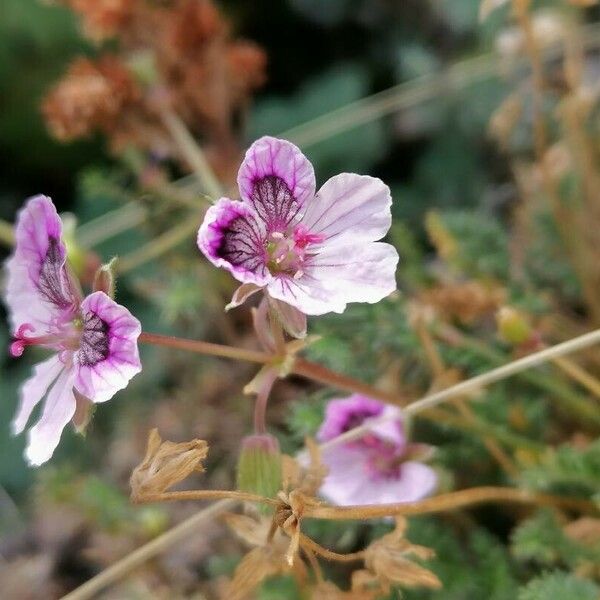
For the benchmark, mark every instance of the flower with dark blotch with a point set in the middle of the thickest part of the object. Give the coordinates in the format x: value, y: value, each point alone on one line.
x: 316, y: 251
x: 93, y: 339
x: 379, y: 468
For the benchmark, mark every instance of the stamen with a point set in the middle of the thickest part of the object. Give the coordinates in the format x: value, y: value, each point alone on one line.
x: 298, y: 274
x: 277, y: 235
x: 17, y: 347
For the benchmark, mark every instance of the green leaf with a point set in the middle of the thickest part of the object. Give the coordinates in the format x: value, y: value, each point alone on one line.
x: 559, y: 586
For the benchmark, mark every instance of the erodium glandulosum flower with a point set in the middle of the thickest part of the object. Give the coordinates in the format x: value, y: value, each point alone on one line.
x: 93, y: 339
x: 314, y: 251
x: 379, y: 468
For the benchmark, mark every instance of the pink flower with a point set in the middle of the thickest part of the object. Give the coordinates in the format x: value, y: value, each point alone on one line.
x: 94, y: 339
x: 378, y: 468
x: 314, y: 251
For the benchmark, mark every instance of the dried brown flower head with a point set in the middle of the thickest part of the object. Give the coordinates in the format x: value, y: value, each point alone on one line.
x: 103, y: 18
x: 92, y: 95
x: 266, y: 559
x: 389, y: 561
x: 184, y: 53
x: 310, y: 478
x: 165, y: 464
x: 465, y: 302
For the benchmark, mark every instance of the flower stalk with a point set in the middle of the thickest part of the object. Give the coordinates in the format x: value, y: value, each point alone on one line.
x: 445, y: 502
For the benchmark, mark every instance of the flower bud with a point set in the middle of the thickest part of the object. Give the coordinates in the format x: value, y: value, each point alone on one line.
x: 513, y: 326
x: 104, y: 279
x: 259, y: 466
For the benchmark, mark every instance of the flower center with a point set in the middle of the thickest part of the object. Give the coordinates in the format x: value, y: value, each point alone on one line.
x: 287, y: 251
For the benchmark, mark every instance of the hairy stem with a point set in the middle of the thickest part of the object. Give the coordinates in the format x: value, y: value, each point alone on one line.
x: 450, y: 501
x: 203, y: 495
x: 200, y: 347
x: 307, y: 544
x: 325, y: 376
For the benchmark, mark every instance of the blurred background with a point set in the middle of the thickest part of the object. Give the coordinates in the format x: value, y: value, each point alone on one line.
x: 448, y: 123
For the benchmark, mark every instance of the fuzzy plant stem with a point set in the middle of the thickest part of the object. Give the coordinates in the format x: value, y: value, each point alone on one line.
x: 201, y: 347
x: 444, y: 502
x: 203, y: 495
x: 323, y: 375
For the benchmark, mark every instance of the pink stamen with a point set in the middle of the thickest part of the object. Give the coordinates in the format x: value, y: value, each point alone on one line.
x: 302, y: 237
x: 22, y: 340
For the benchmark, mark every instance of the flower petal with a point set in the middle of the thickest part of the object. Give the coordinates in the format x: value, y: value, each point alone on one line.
x: 108, y: 357
x: 389, y: 426
x: 38, y: 287
x: 342, y: 414
x: 58, y: 411
x: 348, y: 472
x: 232, y: 237
x: 276, y: 179
x: 352, y: 273
x: 308, y: 294
x: 34, y: 389
x: 350, y: 208
x: 415, y: 481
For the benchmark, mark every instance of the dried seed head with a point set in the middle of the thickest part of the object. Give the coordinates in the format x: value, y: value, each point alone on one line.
x: 390, y: 561
x: 92, y: 95
x: 466, y: 302
x: 266, y: 559
x: 165, y: 464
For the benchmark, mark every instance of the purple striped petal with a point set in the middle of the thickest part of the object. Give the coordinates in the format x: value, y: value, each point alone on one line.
x: 232, y: 237
x: 276, y: 179
x: 108, y: 356
x: 39, y: 290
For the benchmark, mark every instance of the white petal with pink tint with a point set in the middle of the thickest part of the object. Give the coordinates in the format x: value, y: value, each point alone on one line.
x: 272, y: 157
x: 34, y: 389
x: 353, y: 272
x: 308, y: 294
x: 416, y: 481
x: 350, y: 208
x: 101, y: 380
x: 347, y: 474
x: 58, y: 411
